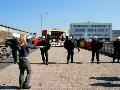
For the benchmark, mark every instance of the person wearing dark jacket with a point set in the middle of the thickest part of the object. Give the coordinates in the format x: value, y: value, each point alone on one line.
x: 44, y: 51
x: 24, y: 63
x: 116, y: 45
x: 95, y: 47
x: 14, y: 47
x: 69, y: 46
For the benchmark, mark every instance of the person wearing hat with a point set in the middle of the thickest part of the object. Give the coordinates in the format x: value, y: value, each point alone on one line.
x: 69, y: 46
x: 116, y: 45
x: 44, y: 51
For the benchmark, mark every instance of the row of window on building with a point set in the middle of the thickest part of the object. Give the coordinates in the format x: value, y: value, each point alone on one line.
x: 107, y: 26
x: 91, y: 30
x: 91, y: 35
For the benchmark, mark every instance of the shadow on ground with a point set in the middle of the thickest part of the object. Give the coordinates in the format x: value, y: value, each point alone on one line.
x: 104, y: 62
x: 6, y: 62
x: 108, y: 83
x: 9, y: 87
x: 57, y: 63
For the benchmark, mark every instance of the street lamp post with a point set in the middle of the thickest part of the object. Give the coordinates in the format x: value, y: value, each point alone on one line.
x: 42, y: 19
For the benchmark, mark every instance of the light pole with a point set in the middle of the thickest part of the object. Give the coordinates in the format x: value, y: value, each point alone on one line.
x: 42, y: 19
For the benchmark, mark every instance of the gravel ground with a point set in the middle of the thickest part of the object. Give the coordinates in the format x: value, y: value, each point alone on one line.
x: 80, y: 75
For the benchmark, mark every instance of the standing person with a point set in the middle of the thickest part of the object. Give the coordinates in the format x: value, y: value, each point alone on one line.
x: 116, y: 45
x: 44, y: 51
x: 14, y: 47
x: 95, y: 47
x: 69, y: 46
x: 24, y: 63
x: 78, y: 44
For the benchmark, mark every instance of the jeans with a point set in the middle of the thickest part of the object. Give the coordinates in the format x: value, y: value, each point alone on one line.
x: 24, y: 65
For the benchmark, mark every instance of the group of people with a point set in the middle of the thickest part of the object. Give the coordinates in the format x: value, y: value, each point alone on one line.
x: 69, y: 46
x: 22, y: 47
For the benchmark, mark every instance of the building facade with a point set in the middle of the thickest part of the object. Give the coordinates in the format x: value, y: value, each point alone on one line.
x: 90, y: 30
x: 9, y: 32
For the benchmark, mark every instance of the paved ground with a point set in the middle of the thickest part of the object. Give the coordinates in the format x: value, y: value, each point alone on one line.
x: 81, y: 75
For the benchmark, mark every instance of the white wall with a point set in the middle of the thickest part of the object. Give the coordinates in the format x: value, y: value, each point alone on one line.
x: 101, y: 30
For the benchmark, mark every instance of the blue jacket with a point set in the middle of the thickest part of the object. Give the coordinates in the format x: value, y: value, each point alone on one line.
x: 23, y: 52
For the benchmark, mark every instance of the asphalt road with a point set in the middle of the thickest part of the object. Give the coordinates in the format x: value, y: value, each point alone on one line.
x: 8, y: 61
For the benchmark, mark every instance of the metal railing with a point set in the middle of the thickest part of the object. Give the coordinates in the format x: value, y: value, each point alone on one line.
x: 107, y: 49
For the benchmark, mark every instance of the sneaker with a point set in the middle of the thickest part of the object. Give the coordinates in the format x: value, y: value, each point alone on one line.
x: 43, y: 61
x: 98, y: 63
x: 91, y: 61
x: 27, y: 87
x: 46, y: 63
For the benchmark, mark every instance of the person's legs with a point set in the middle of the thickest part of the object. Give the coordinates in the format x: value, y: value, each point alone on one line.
x: 43, y: 58
x: 21, y: 76
x: 118, y: 56
x: 78, y: 48
x: 97, y: 56
x: 46, y: 55
x: 27, y: 66
x: 14, y: 54
x: 93, y: 55
x: 68, y: 57
x: 114, y: 55
x: 72, y: 53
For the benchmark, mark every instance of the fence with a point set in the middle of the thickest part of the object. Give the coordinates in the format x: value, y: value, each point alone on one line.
x: 107, y: 49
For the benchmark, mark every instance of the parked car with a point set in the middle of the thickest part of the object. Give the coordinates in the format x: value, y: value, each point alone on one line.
x: 88, y: 45
x: 36, y: 41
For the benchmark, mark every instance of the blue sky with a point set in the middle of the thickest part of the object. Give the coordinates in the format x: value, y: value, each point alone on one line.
x: 25, y: 14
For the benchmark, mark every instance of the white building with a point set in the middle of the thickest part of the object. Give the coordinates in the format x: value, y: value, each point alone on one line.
x: 90, y: 30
